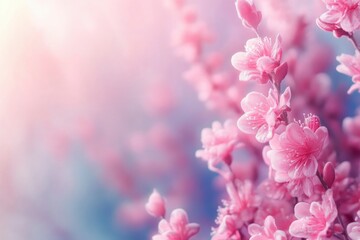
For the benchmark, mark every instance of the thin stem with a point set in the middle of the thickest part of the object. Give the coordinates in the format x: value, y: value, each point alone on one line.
x: 326, y: 187
x: 353, y: 41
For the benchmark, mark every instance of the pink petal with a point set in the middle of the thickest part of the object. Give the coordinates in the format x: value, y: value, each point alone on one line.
x: 280, y: 72
x: 299, y: 228
x: 250, y: 75
x: 353, y: 230
x: 164, y: 226
x: 192, y: 229
x: 331, y: 16
x: 351, y: 21
x: 178, y: 219
x: 250, y: 122
x: 302, y: 209
x: 239, y: 61
x: 255, y: 101
x: 255, y: 229
x: 264, y: 134
x: 310, y: 167
x: 276, y: 49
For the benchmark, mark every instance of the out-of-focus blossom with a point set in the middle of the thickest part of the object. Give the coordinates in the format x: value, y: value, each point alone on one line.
x: 259, y: 61
x: 350, y: 65
x: 263, y: 114
x: 190, y: 35
x: 294, y: 153
x: 248, y: 13
x: 281, y: 210
x: 353, y: 229
x: 267, y: 232
x: 177, y: 228
x: 351, y: 126
x: 219, y: 142
x: 155, y: 205
x: 314, y: 219
x: 341, y: 14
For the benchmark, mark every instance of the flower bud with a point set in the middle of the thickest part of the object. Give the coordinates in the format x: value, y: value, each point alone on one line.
x: 248, y: 13
x: 155, y: 205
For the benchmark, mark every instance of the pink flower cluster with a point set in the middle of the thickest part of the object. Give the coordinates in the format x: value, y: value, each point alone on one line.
x: 303, y: 185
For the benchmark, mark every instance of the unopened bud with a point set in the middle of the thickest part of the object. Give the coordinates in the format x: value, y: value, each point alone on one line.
x: 329, y: 174
x: 155, y: 205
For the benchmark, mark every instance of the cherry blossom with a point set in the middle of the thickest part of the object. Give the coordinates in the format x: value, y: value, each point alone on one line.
x: 268, y: 232
x: 294, y: 153
x: 219, y: 142
x: 350, y: 65
x: 263, y: 114
x: 260, y: 60
x: 178, y: 228
x: 340, y: 14
x: 314, y: 219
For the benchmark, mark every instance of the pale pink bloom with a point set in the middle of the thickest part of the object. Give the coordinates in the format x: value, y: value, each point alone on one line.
x: 248, y: 13
x: 268, y: 232
x: 315, y: 219
x: 294, y: 153
x: 263, y: 114
x: 155, y: 205
x: 218, y: 143
x: 353, y: 229
x: 341, y: 14
x: 227, y: 230
x: 350, y: 65
x: 259, y: 61
x: 177, y: 228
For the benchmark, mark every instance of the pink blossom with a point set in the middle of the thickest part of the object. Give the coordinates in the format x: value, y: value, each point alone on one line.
x: 294, y: 153
x: 248, y: 13
x: 259, y: 61
x: 315, y: 219
x: 219, y: 142
x: 268, y: 232
x: 263, y: 114
x: 178, y: 228
x: 351, y: 126
x: 341, y: 14
x: 227, y: 230
x: 350, y: 65
x: 155, y: 205
x: 353, y: 229
x: 243, y: 199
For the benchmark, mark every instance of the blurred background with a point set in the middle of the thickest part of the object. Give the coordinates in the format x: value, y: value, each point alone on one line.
x: 94, y: 114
